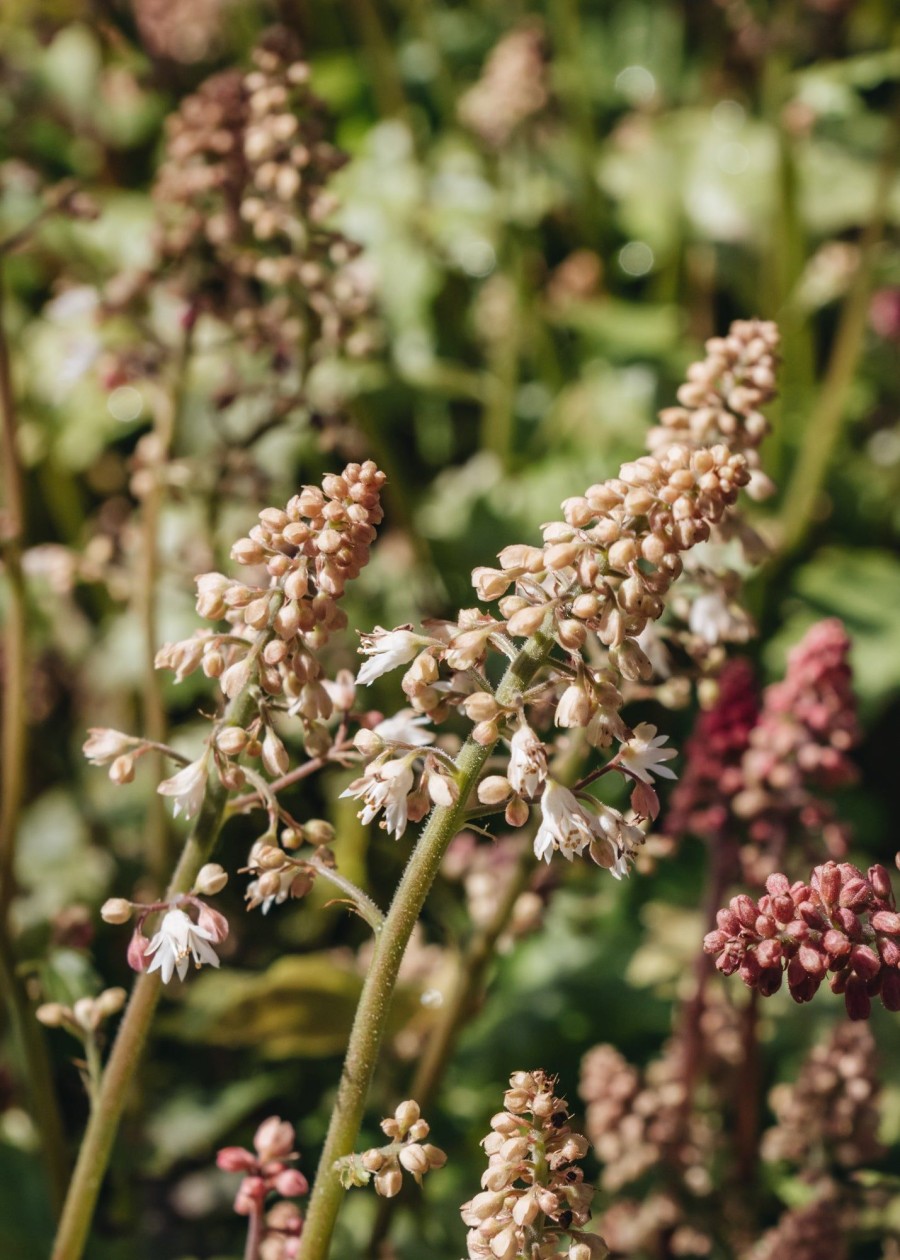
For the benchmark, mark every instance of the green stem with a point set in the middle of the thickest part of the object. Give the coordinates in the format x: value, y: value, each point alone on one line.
x: 464, y: 1001
x: 391, y: 942
x: 824, y: 426
x: 35, y: 1060
x: 96, y: 1146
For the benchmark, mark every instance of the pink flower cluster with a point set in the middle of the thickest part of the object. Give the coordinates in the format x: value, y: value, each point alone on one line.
x: 842, y: 922
x: 701, y: 803
x: 266, y: 1171
x: 755, y: 774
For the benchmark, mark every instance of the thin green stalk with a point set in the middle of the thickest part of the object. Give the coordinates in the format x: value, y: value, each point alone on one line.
x: 372, y: 1012
x: 35, y: 1061
x: 97, y: 1144
x: 824, y: 425
x: 464, y: 1000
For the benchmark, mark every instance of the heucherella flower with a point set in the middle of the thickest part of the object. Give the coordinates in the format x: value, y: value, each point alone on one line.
x: 178, y: 940
x: 385, y: 785
x: 405, y: 728
x: 104, y: 744
x: 187, y: 788
x: 643, y: 754
x: 388, y: 649
x: 527, y: 762
x: 714, y: 621
x: 564, y: 824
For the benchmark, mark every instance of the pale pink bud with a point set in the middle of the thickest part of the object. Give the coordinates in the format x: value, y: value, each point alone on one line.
x: 137, y: 947
x: 104, y: 744
x: 291, y: 1183
x: 388, y: 1182
x: 526, y: 621
x: 274, y: 1139
x: 414, y: 1159
x: 274, y: 754
x: 231, y: 740
x: 235, y: 678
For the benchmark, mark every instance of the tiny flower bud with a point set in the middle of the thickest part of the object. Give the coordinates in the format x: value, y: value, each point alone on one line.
x: 116, y: 910
x: 210, y: 880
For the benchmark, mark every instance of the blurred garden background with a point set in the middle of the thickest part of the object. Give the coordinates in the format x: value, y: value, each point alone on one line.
x: 555, y: 204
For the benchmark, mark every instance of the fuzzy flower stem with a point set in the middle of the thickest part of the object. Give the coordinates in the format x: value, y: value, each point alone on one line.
x: 112, y: 1095
x: 255, y: 1228
x: 391, y: 942
x: 13, y: 753
x: 362, y: 903
x: 158, y: 838
x: 455, y: 1014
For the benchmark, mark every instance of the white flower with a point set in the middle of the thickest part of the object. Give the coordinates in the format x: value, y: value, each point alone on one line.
x: 564, y: 824
x: 404, y: 728
x: 651, y: 643
x: 177, y: 940
x: 643, y: 754
x: 187, y: 787
x: 387, y: 649
x: 385, y: 785
x: 713, y: 621
x: 527, y: 761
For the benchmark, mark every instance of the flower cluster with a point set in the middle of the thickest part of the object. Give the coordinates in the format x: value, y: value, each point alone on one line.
x: 636, y: 1124
x: 842, y: 922
x: 593, y: 590
x: 798, y: 748
x: 806, y: 1233
x: 514, y: 87
x: 85, y: 1015
x: 242, y: 205
x: 309, y: 550
x: 407, y: 1152
x: 701, y: 804
x: 757, y: 773
x: 180, y: 937
x: 534, y: 1191
x: 265, y: 1171
x: 828, y: 1117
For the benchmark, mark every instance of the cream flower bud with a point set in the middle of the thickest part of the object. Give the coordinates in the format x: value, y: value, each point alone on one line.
x: 110, y: 1001
x: 52, y: 1014
x: 122, y: 769
x: 86, y: 1014
x: 414, y: 1159
x: 211, y: 879
x: 231, y: 740
x: 372, y: 1160
x: 527, y: 621
x: 494, y: 790
x: 490, y: 584
x: 405, y: 1114
x: 274, y: 754
x: 388, y: 1182
x: 116, y: 910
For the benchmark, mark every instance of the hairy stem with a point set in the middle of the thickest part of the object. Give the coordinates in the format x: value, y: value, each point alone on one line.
x: 255, y: 1227
x: 97, y: 1144
x: 371, y: 1014
x: 35, y: 1061
x: 464, y: 1001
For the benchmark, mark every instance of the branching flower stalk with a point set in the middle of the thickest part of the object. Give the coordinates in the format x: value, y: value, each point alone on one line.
x: 606, y: 570
x: 309, y: 551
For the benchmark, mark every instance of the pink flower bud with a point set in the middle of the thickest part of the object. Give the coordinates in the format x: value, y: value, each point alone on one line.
x: 856, y: 998
x: 745, y: 909
x: 855, y: 894
x: 236, y: 1159
x: 274, y: 1138
x: 137, y: 946
x: 769, y: 953
x: 829, y: 882
x: 881, y: 882
x: 890, y: 989
x: 864, y: 961
x: 836, y: 944
x: 886, y: 921
x: 291, y: 1183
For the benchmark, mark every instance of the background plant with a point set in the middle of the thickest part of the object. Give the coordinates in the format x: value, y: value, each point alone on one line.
x: 540, y: 290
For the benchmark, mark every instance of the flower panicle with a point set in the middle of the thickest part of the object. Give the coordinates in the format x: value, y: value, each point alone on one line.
x: 842, y: 924
x: 406, y: 1152
x: 533, y: 1192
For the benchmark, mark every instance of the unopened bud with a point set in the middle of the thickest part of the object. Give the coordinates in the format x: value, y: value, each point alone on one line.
x: 494, y: 790
x: 210, y: 880
x: 116, y: 910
